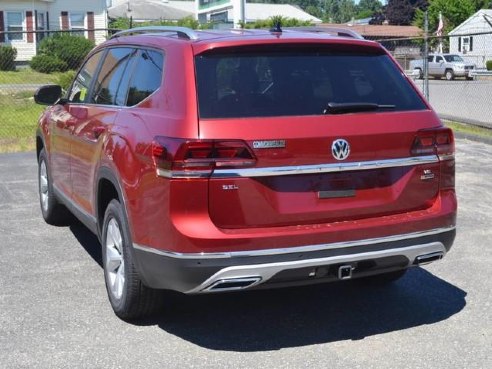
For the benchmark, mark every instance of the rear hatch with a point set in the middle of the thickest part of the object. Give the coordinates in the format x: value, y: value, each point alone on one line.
x: 329, y: 130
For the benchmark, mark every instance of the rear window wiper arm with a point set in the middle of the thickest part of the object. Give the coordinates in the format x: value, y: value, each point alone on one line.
x: 340, y: 108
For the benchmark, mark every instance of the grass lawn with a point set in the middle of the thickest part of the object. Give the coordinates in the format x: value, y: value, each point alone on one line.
x: 18, y: 118
x: 26, y: 76
x: 18, y: 112
x: 470, y: 130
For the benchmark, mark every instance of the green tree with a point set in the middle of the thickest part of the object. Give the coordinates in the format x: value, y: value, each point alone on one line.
x: 454, y: 12
x: 369, y: 7
x: 315, y: 11
x: 481, y: 4
x: 339, y: 11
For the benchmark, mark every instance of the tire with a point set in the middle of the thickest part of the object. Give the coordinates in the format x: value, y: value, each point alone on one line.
x: 386, y: 278
x: 53, y: 212
x: 449, y: 75
x: 421, y: 74
x: 129, y: 297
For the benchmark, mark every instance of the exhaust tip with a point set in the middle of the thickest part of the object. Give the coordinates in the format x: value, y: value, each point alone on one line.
x: 232, y: 284
x: 428, y: 258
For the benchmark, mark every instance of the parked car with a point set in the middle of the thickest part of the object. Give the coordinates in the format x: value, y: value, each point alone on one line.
x: 211, y: 161
x: 448, y: 66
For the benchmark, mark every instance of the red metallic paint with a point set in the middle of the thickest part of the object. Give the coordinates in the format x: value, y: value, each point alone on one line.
x: 195, y: 215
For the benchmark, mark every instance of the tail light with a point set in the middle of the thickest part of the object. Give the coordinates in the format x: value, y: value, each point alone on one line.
x: 183, y: 158
x: 438, y: 142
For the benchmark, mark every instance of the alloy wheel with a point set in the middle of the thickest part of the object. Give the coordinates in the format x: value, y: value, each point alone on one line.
x: 43, y: 186
x: 115, y: 263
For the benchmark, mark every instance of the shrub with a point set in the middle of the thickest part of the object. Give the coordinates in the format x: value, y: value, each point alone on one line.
x: 118, y: 24
x: 272, y: 22
x: 48, y: 64
x: 69, y: 48
x: 7, y: 57
x: 489, y: 64
x: 65, y: 79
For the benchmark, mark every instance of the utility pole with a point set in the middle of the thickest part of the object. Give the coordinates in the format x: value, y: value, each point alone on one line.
x: 426, y: 54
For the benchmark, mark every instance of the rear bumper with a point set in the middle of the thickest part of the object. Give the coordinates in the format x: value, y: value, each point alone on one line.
x: 213, y: 272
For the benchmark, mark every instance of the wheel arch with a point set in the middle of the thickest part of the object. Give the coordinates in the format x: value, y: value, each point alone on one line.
x: 108, y: 188
x: 39, y: 144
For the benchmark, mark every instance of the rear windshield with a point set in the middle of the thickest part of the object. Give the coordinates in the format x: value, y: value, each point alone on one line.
x: 244, y: 83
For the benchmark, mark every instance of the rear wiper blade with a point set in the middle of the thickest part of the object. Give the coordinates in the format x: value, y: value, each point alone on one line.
x: 340, y: 108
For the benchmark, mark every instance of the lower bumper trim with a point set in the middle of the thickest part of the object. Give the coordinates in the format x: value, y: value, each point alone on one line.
x: 318, y: 264
x: 263, y: 272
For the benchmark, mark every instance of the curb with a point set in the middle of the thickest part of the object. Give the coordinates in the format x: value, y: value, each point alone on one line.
x: 472, y: 137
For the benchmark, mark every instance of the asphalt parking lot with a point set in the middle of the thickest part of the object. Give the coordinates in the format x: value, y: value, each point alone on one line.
x: 54, y: 311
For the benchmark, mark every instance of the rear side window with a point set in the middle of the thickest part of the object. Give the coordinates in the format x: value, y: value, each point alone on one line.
x: 297, y: 82
x: 147, y: 76
x: 109, y: 81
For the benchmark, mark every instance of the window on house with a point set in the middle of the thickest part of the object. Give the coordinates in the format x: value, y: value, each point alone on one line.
x: 467, y: 44
x: 40, y: 25
x: 14, y: 23
x: 77, y: 24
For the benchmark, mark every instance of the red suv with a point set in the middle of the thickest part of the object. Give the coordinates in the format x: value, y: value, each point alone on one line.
x: 210, y: 161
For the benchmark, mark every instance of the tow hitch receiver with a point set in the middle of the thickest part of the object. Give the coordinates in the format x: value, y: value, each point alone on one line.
x: 345, y: 272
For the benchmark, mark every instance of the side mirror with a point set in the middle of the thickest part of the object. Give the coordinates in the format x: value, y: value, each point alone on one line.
x: 48, y: 95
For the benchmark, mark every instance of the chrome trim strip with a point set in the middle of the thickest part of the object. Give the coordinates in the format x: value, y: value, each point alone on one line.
x: 213, y: 287
x: 267, y: 271
x: 325, y: 168
x: 302, y: 169
x: 308, y: 248
x: 446, y: 157
x: 182, y: 174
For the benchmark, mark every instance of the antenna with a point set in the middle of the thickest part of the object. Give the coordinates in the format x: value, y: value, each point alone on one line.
x: 277, y: 28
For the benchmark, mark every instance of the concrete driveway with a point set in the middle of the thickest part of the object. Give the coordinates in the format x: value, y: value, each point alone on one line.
x: 54, y: 311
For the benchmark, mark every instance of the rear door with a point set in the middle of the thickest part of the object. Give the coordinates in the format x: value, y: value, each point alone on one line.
x: 324, y: 151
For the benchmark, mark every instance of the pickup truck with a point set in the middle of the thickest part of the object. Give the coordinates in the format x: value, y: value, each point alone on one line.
x: 448, y: 66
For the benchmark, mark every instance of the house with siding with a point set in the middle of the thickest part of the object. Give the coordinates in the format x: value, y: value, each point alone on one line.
x: 145, y: 10
x: 20, y: 18
x: 473, y: 38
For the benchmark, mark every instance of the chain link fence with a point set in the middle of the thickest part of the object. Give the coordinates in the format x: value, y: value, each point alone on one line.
x: 452, y: 73
x: 40, y: 58
x: 466, y: 97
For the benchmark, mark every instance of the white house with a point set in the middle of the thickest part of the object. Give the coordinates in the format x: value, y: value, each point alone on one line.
x: 145, y: 10
x: 222, y: 13
x: 26, y: 16
x: 473, y: 38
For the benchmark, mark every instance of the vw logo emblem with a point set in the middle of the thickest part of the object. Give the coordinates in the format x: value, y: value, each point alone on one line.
x: 340, y: 149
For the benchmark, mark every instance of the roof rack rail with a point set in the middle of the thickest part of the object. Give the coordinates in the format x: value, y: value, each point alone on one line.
x: 339, y: 31
x: 182, y: 32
